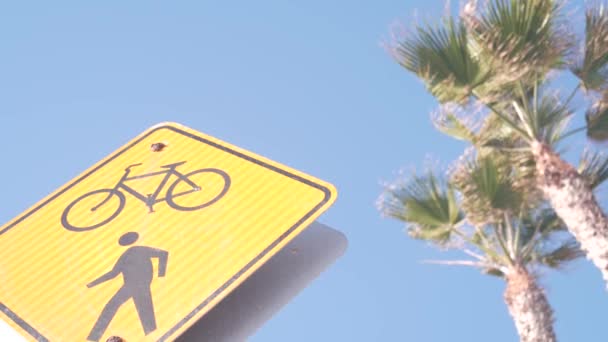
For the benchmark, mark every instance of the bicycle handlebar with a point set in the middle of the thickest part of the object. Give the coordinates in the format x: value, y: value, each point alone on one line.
x: 132, y: 165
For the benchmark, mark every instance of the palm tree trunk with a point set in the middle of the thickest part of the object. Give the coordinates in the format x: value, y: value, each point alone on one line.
x: 574, y: 202
x: 529, y: 307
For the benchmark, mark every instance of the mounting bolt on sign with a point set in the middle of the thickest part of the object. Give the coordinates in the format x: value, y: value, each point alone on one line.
x: 142, y: 245
x: 157, y: 147
x: 115, y: 339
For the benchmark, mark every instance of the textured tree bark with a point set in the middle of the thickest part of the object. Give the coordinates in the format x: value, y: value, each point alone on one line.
x: 529, y: 307
x: 574, y: 202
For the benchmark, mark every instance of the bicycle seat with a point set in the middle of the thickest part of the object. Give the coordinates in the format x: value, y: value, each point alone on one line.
x: 174, y: 165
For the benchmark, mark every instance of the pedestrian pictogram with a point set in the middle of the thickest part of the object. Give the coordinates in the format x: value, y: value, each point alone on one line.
x: 135, y: 265
x: 145, y: 242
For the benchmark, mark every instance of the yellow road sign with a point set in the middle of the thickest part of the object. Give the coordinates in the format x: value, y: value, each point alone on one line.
x: 145, y: 242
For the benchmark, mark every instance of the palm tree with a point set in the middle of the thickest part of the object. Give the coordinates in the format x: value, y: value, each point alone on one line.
x: 481, y: 210
x: 502, y: 56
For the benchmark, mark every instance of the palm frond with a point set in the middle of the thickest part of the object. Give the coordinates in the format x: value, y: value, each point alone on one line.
x: 496, y: 188
x: 440, y: 56
x: 538, y: 225
x: 592, y: 69
x: 495, y: 135
x: 594, y: 168
x: 487, y: 189
x: 451, y: 119
x: 597, y: 120
x: 496, y: 272
x: 521, y: 37
x: 487, y: 267
x: 549, y: 222
x: 546, y: 118
x: 426, y: 204
x: 561, y: 255
x: 546, y: 241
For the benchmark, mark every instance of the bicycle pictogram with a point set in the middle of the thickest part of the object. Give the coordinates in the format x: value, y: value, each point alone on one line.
x: 185, y: 186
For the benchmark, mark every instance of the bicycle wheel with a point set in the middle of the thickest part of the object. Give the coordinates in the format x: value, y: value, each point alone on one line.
x: 198, y: 189
x: 85, y: 209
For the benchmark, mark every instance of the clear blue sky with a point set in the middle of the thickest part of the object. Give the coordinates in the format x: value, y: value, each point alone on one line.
x: 305, y: 83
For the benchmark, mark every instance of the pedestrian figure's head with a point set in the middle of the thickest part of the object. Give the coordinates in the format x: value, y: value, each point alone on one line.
x: 128, y: 238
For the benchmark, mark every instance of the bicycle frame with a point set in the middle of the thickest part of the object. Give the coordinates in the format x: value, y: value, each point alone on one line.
x: 150, y: 199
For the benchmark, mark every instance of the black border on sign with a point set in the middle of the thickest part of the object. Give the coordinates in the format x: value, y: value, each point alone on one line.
x: 39, y: 337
